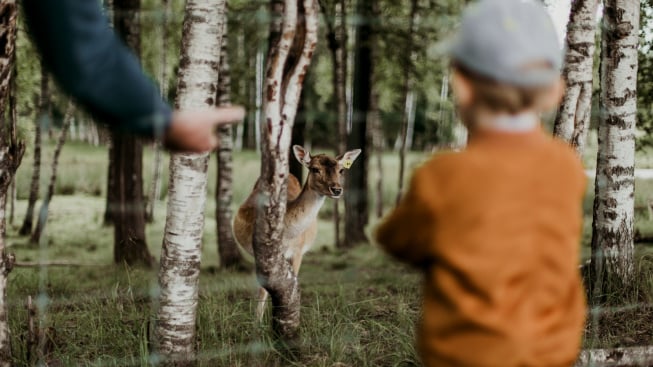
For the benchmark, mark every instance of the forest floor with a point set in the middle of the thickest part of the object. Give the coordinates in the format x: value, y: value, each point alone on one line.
x: 359, y: 307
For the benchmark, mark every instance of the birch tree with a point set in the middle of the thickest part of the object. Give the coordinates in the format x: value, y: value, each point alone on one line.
x: 174, y: 334
x: 612, y: 235
x: 227, y: 248
x: 283, y: 85
x: 573, y: 118
x: 11, y: 154
x: 42, y: 115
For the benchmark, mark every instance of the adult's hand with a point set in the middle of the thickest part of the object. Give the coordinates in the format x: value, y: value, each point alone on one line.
x: 196, y: 131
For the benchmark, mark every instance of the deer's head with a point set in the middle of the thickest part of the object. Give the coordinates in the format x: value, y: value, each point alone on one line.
x: 325, y: 174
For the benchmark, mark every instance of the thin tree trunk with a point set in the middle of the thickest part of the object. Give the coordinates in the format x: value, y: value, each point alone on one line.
x: 11, y: 154
x: 155, y: 187
x: 128, y: 217
x: 612, y: 232
x: 356, y: 201
x: 337, y: 41
x: 573, y: 118
x: 43, y: 213
x: 409, y: 93
x: 13, y: 120
x: 377, y: 144
x: 42, y: 115
x: 283, y: 85
x: 230, y: 256
x: 174, y: 334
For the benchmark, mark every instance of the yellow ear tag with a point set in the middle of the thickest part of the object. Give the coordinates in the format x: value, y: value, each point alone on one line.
x: 347, y: 163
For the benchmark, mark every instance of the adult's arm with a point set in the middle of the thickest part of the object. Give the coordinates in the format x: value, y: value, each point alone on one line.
x: 90, y: 63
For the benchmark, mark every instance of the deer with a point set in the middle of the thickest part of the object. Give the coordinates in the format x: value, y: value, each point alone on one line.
x: 325, y: 176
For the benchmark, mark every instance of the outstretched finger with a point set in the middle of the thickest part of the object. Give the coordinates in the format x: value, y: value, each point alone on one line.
x: 228, y: 115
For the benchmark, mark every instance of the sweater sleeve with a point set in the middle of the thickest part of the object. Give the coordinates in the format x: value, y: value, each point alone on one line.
x: 407, y: 232
x: 91, y: 64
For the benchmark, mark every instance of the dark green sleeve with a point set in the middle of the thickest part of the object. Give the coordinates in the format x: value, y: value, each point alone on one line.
x: 91, y: 64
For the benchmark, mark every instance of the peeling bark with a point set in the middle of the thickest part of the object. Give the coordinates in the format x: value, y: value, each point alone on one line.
x: 283, y: 87
x: 174, y: 333
x: 612, y: 234
x: 573, y: 118
x: 11, y: 154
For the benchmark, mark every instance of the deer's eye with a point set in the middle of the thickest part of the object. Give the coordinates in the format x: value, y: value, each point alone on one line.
x: 315, y: 170
x: 342, y: 171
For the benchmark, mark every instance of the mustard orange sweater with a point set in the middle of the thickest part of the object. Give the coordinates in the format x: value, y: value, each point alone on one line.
x: 496, y: 229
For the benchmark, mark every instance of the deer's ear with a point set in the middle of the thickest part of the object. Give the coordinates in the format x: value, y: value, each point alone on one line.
x: 347, y: 159
x: 302, y: 155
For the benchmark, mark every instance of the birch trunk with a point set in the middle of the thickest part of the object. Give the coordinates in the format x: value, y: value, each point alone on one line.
x: 283, y: 85
x: 42, y: 115
x: 11, y: 154
x: 174, y: 333
x: 43, y: 213
x: 612, y: 235
x: 573, y: 118
x: 227, y: 248
x: 409, y: 94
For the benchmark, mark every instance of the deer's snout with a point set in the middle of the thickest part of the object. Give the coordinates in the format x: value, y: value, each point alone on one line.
x: 336, y: 191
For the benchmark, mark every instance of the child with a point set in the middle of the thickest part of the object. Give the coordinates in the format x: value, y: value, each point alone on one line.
x: 496, y: 228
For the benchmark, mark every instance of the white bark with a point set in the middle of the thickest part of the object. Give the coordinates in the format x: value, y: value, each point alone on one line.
x: 612, y: 242
x: 281, y: 100
x: 181, y: 252
x: 572, y: 121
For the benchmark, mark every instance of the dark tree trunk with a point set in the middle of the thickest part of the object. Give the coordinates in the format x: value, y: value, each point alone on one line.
x: 127, y: 156
x: 155, y: 187
x: 43, y: 213
x: 11, y: 154
x: 230, y: 256
x: 356, y: 201
x: 42, y: 115
x: 337, y: 42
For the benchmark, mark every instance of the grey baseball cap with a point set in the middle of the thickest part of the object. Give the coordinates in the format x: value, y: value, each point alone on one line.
x: 508, y: 41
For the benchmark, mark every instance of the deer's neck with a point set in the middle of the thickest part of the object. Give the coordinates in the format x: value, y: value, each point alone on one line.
x: 302, y: 211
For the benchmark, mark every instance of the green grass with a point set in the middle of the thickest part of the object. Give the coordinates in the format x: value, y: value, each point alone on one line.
x: 358, y: 308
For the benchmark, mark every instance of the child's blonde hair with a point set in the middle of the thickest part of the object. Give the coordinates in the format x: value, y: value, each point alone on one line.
x: 499, y: 97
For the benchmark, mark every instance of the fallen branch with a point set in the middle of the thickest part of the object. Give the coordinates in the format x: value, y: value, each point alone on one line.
x: 617, y: 357
x: 28, y: 264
